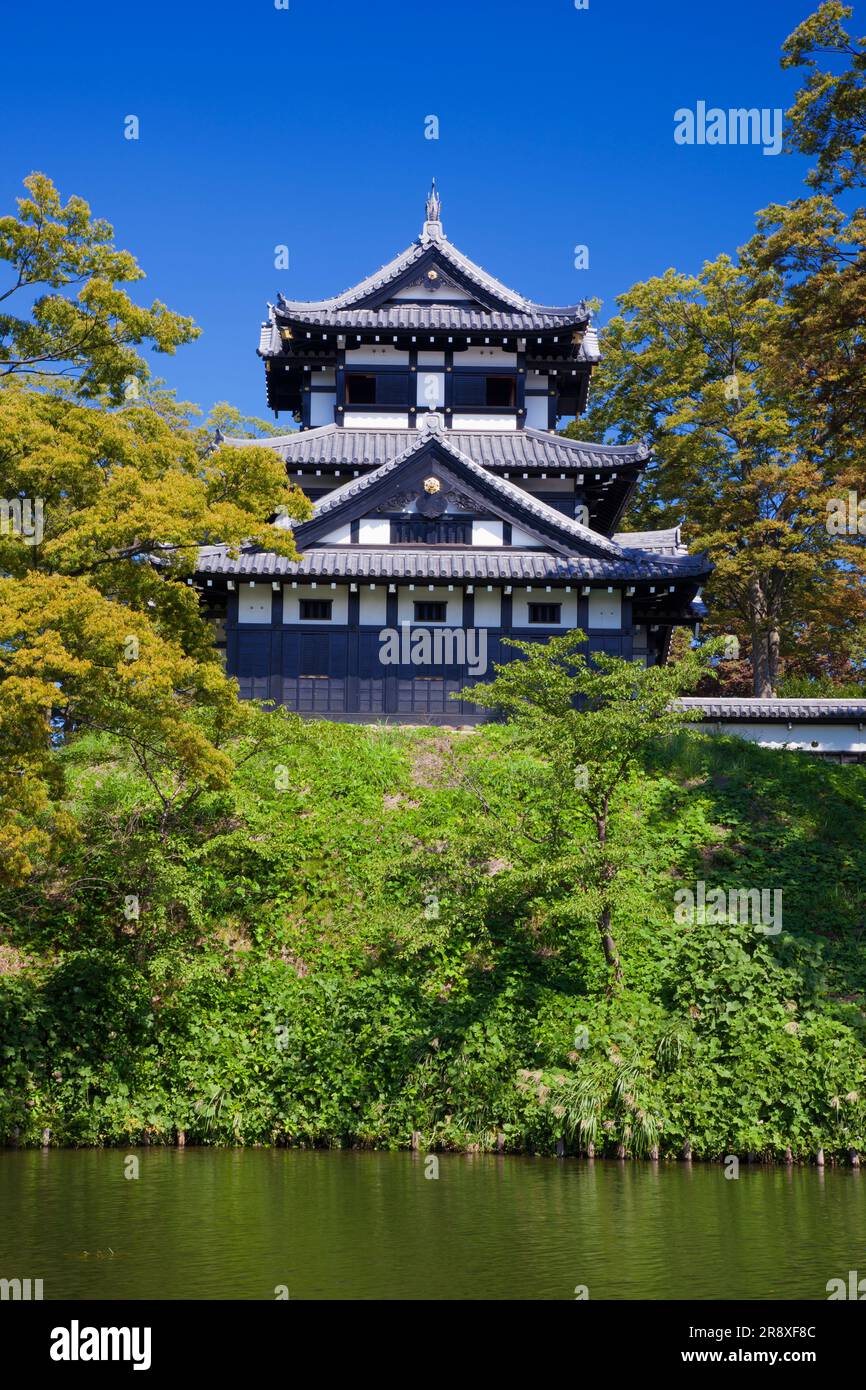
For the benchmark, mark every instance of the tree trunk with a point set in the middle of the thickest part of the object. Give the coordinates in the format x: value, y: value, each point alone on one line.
x: 773, y: 643
x: 611, y: 954
x: 766, y: 638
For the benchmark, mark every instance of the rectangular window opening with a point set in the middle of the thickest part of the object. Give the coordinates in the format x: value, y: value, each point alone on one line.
x: 500, y: 391
x: 546, y: 613
x: 429, y: 612
x: 316, y: 610
x: 360, y: 388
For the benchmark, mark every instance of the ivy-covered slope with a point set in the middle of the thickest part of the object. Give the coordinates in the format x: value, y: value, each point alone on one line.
x: 368, y: 937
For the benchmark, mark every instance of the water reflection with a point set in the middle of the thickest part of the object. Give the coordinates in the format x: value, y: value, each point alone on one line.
x: 238, y: 1224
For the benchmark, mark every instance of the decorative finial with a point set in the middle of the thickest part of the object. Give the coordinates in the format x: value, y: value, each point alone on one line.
x: 434, y: 204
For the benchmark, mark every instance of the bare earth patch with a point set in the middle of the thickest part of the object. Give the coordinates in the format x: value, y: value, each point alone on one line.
x: 432, y: 759
x: 12, y: 961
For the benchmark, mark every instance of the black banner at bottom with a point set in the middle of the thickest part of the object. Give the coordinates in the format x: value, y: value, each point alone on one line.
x: 81, y: 1339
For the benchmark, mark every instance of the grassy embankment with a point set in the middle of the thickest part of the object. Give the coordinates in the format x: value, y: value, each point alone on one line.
x: 387, y: 948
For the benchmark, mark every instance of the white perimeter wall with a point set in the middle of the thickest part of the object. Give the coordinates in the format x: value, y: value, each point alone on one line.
x: 803, y: 735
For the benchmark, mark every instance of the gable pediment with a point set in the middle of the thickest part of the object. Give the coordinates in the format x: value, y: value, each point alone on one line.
x: 434, y: 476
x: 434, y: 275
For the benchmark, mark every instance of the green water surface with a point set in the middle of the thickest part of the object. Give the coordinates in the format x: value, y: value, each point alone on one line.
x: 205, y: 1223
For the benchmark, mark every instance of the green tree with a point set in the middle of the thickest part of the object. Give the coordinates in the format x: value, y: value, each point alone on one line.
x: 749, y: 381
x: 689, y: 363
x: 828, y: 118
x: 79, y: 325
x: 817, y: 244
x: 591, y: 722
x: 107, y: 496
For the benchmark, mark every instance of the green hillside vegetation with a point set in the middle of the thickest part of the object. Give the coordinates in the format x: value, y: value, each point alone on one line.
x: 387, y: 947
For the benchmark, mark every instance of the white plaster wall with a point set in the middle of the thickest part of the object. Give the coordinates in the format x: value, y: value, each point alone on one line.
x: 605, y: 610
x: 536, y: 412
x: 373, y: 355
x: 484, y: 422
x: 803, y: 735
x: 485, y: 357
x: 322, y: 408
x: 375, y: 420
x: 521, y: 537
x: 292, y: 600
x: 538, y: 594
x: 407, y: 598
x: 488, y: 607
x: 374, y: 531
x: 254, y: 602
x: 431, y: 358
x: 374, y: 605
x: 487, y: 533
x: 416, y: 293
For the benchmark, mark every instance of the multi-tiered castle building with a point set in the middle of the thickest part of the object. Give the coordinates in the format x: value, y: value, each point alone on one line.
x: 448, y: 513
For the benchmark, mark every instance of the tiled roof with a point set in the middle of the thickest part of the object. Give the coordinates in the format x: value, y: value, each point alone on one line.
x: 730, y: 710
x: 449, y: 256
x: 659, y: 542
x: 499, y: 565
x: 516, y: 499
x: 433, y: 317
x: 503, y: 450
x: 269, y: 338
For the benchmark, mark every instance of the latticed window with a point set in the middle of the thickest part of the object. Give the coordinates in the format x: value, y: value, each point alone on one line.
x: 377, y: 388
x: 439, y: 531
x: 317, y: 610
x: 474, y: 390
x: 430, y: 612
x: 545, y: 613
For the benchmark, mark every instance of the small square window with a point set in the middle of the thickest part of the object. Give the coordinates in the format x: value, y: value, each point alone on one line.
x: 545, y: 613
x: 316, y: 610
x: 428, y: 612
x: 500, y: 391
x: 360, y: 389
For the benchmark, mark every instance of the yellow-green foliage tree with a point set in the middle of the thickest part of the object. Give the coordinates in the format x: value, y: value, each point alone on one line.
x: 107, y: 492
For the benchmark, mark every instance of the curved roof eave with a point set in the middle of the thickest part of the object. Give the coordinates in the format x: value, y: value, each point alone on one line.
x: 398, y: 265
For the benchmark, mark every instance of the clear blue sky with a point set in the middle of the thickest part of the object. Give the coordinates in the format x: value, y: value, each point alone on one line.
x: 305, y: 127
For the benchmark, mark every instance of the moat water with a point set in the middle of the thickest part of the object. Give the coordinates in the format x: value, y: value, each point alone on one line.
x: 258, y: 1224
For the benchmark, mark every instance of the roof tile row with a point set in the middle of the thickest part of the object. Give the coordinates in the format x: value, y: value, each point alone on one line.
x: 350, y: 562
x: 340, y: 446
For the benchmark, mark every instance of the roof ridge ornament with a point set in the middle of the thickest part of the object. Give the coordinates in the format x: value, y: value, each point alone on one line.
x: 433, y: 209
